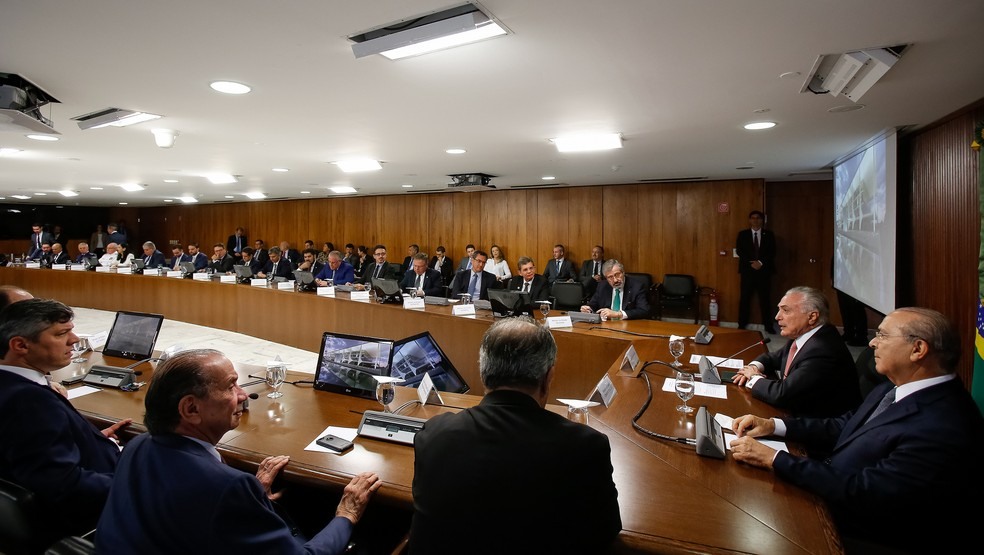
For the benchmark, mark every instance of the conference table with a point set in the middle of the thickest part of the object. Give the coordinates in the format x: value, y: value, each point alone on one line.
x: 671, y: 500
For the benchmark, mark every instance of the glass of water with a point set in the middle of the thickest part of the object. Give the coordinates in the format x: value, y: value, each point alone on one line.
x: 676, y: 349
x: 545, y: 308
x: 684, y: 387
x: 385, y: 393
x: 79, y: 349
x: 275, y: 376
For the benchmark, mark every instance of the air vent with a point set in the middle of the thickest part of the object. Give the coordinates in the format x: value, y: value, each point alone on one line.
x: 673, y: 179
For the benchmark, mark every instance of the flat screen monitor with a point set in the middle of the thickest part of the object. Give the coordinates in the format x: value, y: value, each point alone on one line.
x: 188, y: 267
x: 133, y: 335
x: 306, y: 279
x: 243, y: 271
x: 388, y: 289
x: 510, y: 303
x: 420, y: 354
x: 347, y: 364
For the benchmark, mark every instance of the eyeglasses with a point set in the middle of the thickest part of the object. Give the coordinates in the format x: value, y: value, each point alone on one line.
x: 880, y: 335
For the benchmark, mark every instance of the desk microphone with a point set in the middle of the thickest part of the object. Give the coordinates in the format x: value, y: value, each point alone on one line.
x: 253, y: 396
x: 708, y: 371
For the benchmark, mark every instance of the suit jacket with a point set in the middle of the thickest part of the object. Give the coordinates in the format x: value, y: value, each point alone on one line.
x: 223, y: 265
x: 344, y: 274
x: 293, y: 255
x: 254, y: 265
x: 34, y: 250
x: 316, y: 268
x: 117, y: 237
x: 746, y: 252
x: 284, y: 269
x: 60, y: 258
x: 539, y: 291
x: 566, y: 271
x: 261, y: 255
x: 354, y: 261
x: 173, y: 264
x: 91, y: 256
x: 635, y: 304
x: 389, y: 271
x: 201, y: 261
x: 923, y: 451
x: 462, y: 282
x: 94, y: 239
x: 446, y: 269
x: 433, y: 282
x: 465, y: 264
x: 154, y: 260
x: 515, y: 458
x: 196, y: 504
x: 231, y: 244
x: 587, y: 269
x: 49, y: 448
x: 822, y: 381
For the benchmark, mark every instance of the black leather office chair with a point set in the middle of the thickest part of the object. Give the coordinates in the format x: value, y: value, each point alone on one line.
x: 868, y: 378
x: 18, y: 520
x: 647, y: 280
x: 678, y: 292
x: 567, y: 295
x: 72, y: 545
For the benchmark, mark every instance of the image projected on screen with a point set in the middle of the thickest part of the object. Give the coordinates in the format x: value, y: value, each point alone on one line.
x: 418, y: 355
x: 347, y: 364
x: 864, y: 225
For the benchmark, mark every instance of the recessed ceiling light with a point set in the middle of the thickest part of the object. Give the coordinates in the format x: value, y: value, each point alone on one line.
x: 5, y: 198
x: 188, y: 200
x: 40, y: 194
x: 67, y: 193
x: 230, y: 196
x: 123, y: 204
x: 220, y: 178
x: 342, y: 190
x: 230, y: 87
x: 455, y: 151
x: 358, y: 165
x: 168, y: 200
x: 585, y: 142
x: 170, y: 181
x: 548, y: 178
x: 281, y: 170
x: 9, y: 151
x: 132, y: 187
x: 255, y: 196
x: 96, y: 188
x: 756, y: 125
x: 21, y: 197
x: 42, y: 137
x: 407, y: 186
x: 305, y: 192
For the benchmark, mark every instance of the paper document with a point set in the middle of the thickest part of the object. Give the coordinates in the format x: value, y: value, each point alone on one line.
x: 700, y: 388
x: 347, y: 434
x: 720, y: 362
x: 726, y: 422
x: 80, y: 391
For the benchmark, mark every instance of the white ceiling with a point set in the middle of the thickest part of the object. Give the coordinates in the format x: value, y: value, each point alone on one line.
x: 677, y: 78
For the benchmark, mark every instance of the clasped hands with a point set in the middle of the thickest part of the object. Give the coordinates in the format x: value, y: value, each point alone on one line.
x: 746, y: 373
x: 748, y: 450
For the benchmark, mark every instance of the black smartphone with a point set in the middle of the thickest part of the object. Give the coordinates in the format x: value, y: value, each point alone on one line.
x: 334, y: 443
x: 73, y: 380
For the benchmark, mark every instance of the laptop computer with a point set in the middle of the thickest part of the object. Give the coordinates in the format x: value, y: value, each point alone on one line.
x: 510, y: 303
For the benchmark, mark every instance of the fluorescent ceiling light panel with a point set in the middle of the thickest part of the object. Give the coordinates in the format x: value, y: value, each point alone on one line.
x: 220, y: 178
x: 439, y: 35
x: 116, y: 117
x: 21, y: 197
x: 757, y: 125
x: 9, y: 151
x: 230, y: 87
x: 359, y: 165
x: 188, y: 200
x: 587, y: 142
x: 255, y: 196
x: 343, y: 190
x: 42, y: 137
x: 67, y: 193
x: 132, y: 187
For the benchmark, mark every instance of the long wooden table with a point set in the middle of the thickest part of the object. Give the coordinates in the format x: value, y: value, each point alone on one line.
x: 671, y: 500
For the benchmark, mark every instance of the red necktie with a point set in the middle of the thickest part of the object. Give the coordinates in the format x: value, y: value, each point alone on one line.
x: 789, y: 359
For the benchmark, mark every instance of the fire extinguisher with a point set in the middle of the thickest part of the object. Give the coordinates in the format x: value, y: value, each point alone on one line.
x: 712, y: 309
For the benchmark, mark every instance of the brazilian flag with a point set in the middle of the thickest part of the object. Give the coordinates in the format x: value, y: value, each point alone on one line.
x: 977, y: 385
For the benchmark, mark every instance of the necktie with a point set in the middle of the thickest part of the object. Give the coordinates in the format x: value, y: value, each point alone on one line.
x: 595, y: 272
x: 755, y: 242
x: 474, y: 290
x: 558, y: 267
x: 420, y: 282
x: 526, y: 287
x: 274, y: 271
x: 887, y: 400
x: 375, y: 274
x: 789, y: 359
x: 617, y: 301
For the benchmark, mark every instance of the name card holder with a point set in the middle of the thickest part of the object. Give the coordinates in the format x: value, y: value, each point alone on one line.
x: 227, y: 279
x: 604, y: 392
x: 124, y: 270
x: 360, y: 296
x: 175, y: 274
x: 258, y: 282
x: 559, y: 322
x: 326, y: 291
x: 199, y: 276
x: 103, y: 269
x: 78, y: 268
x: 285, y: 285
x: 33, y: 265
x: 413, y: 304
x: 463, y: 310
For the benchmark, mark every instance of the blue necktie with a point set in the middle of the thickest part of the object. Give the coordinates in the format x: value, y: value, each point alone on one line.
x: 474, y: 286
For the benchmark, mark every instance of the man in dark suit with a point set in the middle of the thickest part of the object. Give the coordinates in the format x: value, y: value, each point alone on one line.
x: 46, y: 446
x: 756, y: 249
x: 425, y: 280
x: 442, y: 264
x: 466, y: 260
x: 115, y: 234
x: 339, y: 271
x: 193, y: 399
x: 412, y: 251
x: 85, y: 254
x: 528, y: 281
x: 44, y: 256
x: 505, y: 449
x: 251, y: 261
x: 152, y: 258
x: 177, y: 257
x: 912, y: 448
x: 58, y: 254
x: 474, y: 281
x: 814, y: 374
x: 38, y: 238
x: 309, y: 262
x: 590, y: 275
x: 260, y: 251
x: 197, y: 257
x: 618, y: 297
x: 276, y: 266
x: 559, y: 269
x: 290, y: 254
x: 222, y: 262
x: 236, y: 243
x: 379, y: 268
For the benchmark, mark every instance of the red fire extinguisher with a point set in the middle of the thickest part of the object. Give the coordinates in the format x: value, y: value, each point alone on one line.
x: 712, y: 309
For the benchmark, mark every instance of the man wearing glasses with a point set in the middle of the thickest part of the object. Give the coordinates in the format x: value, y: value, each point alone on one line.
x: 618, y: 297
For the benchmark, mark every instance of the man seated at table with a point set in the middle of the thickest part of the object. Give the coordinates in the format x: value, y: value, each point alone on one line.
x: 249, y: 260
x: 309, y: 262
x: 474, y: 281
x: 85, y: 254
x: 443, y: 264
x: 337, y: 270
x: 46, y: 446
x: 545, y: 479
x: 43, y: 255
x: 529, y: 281
x: 814, y: 374
x: 222, y: 262
x: 289, y: 254
x: 276, y: 266
x: 618, y: 297
x: 424, y: 280
x: 177, y: 257
x: 58, y: 254
x: 173, y: 493
x: 911, y: 450
x: 379, y: 268
x: 197, y: 257
x: 152, y: 258
x: 111, y: 258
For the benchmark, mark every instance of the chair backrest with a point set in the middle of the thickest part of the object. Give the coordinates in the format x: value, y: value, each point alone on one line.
x: 568, y: 295
x: 646, y: 279
x: 18, y: 519
x: 679, y: 285
x: 72, y: 545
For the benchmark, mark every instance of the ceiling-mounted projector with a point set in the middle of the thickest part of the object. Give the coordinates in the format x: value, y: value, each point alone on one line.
x: 20, y: 106
x: 851, y: 74
x: 471, y: 181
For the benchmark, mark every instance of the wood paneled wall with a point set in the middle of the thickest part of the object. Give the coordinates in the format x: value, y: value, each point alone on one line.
x: 940, y: 221
x: 658, y: 229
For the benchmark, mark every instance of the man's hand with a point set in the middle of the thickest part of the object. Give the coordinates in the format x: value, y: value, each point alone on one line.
x: 59, y: 388
x: 267, y: 472
x: 756, y: 265
x: 587, y: 309
x: 110, y: 432
x: 356, y: 496
x: 751, y: 451
x: 752, y: 426
x: 610, y: 314
x: 746, y: 373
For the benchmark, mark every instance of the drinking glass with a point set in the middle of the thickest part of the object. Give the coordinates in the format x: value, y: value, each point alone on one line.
x: 545, y: 308
x: 275, y: 376
x: 412, y: 291
x: 676, y: 349
x: 79, y: 349
x: 465, y: 298
x: 577, y: 414
x: 385, y: 393
x: 684, y: 387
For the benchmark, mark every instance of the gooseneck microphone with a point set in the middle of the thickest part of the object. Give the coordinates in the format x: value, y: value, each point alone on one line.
x: 254, y: 395
x: 708, y: 371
